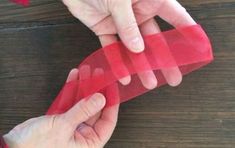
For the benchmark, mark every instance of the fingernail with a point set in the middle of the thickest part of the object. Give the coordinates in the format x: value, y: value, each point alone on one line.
x: 148, y: 79
x: 137, y: 45
x: 125, y: 81
x: 98, y: 100
x: 150, y: 83
x: 81, y: 126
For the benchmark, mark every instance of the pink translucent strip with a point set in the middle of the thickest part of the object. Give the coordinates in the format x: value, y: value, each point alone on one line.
x: 186, y: 47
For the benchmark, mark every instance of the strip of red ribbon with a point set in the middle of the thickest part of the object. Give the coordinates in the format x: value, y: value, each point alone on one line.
x: 186, y: 47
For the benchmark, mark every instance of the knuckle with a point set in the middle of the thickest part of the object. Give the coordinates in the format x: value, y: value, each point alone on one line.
x: 129, y: 28
x: 86, y: 111
x: 52, y: 121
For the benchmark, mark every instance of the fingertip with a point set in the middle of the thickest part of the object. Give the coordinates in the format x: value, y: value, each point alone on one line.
x: 73, y: 75
x: 176, y: 81
x: 151, y: 83
x: 173, y: 76
x: 74, y: 70
x: 128, y: 29
x: 148, y: 79
x: 84, y: 109
x: 98, y: 99
x: 125, y: 81
x: 136, y: 45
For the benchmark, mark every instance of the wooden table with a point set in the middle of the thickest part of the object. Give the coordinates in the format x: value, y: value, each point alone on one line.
x: 41, y: 43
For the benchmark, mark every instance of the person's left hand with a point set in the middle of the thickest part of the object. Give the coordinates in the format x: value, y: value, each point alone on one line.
x: 85, y: 125
x: 130, y: 20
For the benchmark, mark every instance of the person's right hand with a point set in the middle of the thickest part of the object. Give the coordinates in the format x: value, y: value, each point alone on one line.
x: 88, y: 124
x: 110, y: 17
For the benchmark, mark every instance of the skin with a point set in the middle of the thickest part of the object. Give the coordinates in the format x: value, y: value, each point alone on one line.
x: 130, y: 19
x: 88, y: 124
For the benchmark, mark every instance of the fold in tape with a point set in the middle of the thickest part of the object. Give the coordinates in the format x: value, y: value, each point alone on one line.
x: 186, y: 47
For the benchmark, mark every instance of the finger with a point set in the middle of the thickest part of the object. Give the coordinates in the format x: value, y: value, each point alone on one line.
x: 86, y: 130
x: 148, y: 79
x: 73, y: 75
x: 66, y: 96
x: 91, y: 121
x: 176, y: 15
x: 84, y: 74
x: 105, y: 126
x: 85, y: 109
x: 25, y: 124
x: 172, y: 75
x: 87, y: 133
x: 126, y: 25
x: 109, y: 39
x: 146, y: 75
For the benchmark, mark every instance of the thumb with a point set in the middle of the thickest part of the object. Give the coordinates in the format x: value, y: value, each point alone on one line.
x: 126, y: 25
x: 85, y: 109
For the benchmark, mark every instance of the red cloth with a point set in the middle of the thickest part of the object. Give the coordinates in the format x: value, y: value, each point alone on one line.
x: 22, y: 2
x: 2, y: 143
x: 186, y: 47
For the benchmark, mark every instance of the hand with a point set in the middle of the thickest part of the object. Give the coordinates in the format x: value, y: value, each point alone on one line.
x: 110, y: 17
x: 83, y: 126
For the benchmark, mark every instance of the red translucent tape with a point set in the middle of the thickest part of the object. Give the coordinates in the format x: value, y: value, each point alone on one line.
x: 186, y: 47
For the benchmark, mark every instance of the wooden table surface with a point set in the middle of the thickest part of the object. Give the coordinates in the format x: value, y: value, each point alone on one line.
x: 41, y: 43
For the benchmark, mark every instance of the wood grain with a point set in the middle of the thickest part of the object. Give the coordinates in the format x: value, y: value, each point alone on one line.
x: 41, y: 43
